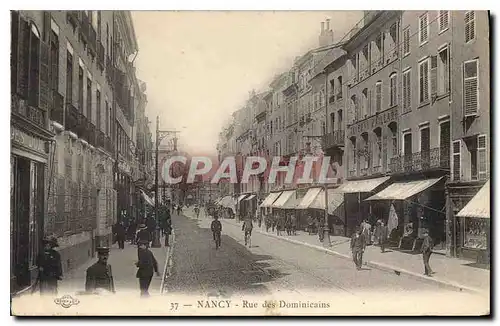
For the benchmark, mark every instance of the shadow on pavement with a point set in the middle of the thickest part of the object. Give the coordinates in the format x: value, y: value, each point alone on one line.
x: 199, y: 269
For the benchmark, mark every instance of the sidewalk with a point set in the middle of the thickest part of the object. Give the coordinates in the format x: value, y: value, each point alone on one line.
x: 123, y: 266
x: 450, y: 272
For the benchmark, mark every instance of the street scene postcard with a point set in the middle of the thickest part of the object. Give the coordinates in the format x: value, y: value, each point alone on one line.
x: 250, y: 163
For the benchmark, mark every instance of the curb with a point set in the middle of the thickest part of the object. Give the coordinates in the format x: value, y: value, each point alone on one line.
x: 383, y: 267
x: 168, y: 264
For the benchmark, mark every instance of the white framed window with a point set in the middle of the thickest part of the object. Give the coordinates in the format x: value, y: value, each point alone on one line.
x: 423, y: 29
x: 378, y: 96
x: 406, y: 88
x: 470, y: 87
x: 443, y: 20
x: 456, y: 160
x: 406, y: 41
x: 444, y: 70
x: 470, y: 26
x: 393, y: 89
x: 423, y: 81
x: 482, y: 157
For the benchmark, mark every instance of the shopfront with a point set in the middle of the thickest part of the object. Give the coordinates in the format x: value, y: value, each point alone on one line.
x: 268, y: 202
x: 336, y: 210
x: 28, y: 162
x: 420, y: 206
x: 475, y: 218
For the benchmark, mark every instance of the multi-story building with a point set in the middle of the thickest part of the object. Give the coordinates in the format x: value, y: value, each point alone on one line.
x: 470, y: 127
x: 64, y: 135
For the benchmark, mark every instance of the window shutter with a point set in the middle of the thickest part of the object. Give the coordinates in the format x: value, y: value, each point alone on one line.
x: 456, y: 160
x: 46, y: 26
x: 482, y: 157
x: 423, y: 28
x: 378, y: 91
x: 434, y: 75
x: 469, y: 26
x: 470, y: 88
x: 443, y: 19
x: 408, y: 89
x: 23, y: 58
x: 406, y: 43
x: 45, y: 94
x: 14, y: 50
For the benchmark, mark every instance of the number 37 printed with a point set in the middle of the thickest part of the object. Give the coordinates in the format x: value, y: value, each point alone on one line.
x: 174, y: 306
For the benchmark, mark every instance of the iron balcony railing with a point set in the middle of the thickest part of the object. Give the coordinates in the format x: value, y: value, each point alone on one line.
x: 435, y: 158
x: 32, y: 113
x: 73, y: 17
x: 334, y: 139
x: 72, y: 118
x: 57, y: 111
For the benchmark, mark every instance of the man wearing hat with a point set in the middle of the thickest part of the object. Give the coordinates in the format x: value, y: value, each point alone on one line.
x: 99, y: 275
x: 147, y: 266
x: 143, y: 234
x: 49, y: 265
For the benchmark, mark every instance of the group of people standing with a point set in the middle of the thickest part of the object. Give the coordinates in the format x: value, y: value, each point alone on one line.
x: 281, y: 223
x: 363, y: 236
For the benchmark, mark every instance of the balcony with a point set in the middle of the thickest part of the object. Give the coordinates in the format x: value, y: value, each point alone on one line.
x: 34, y: 114
x: 88, y: 33
x: 72, y: 118
x: 57, y: 111
x: 73, y: 17
x: 367, y: 124
x: 434, y: 159
x: 333, y: 139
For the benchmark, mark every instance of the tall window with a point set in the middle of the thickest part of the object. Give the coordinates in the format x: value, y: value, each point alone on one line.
x: 354, y: 108
x: 98, y: 109
x: 423, y: 29
x: 106, y: 117
x: 423, y: 84
x: 457, y: 171
x: 339, y: 87
x: 365, y: 111
x: 406, y: 88
x: 443, y: 71
x: 470, y: 86
x: 406, y: 41
x: 54, y: 61
x: 393, y: 89
x: 69, y: 77
x: 378, y: 96
x: 80, y: 88
x: 89, y: 99
x: 354, y: 154
x: 30, y: 52
x: 108, y: 46
x: 482, y: 157
x: 470, y: 26
x: 443, y: 20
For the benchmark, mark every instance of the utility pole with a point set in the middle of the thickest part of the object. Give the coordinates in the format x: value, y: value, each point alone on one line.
x: 160, y: 135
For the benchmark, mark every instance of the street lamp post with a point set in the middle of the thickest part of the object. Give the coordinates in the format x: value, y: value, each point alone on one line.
x: 160, y: 135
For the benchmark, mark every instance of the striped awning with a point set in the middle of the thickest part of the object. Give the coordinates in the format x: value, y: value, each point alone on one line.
x: 227, y: 201
x: 270, y: 199
x: 284, y: 198
x: 250, y: 197
x: 335, y: 199
x: 240, y: 198
x: 479, y: 205
x: 308, y: 199
x: 367, y: 185
x: 404, y: 190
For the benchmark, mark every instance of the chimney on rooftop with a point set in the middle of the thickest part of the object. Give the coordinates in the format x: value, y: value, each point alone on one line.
x: 326, y: 35
x: 328, y: 24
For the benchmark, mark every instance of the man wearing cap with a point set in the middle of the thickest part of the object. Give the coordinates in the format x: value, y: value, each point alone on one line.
x: 147, y: 266
x: 99, y: 275
x: 143, y: 234
x: 49, y: 266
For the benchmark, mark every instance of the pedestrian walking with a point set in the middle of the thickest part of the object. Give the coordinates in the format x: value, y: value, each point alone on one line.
x: 120, y: 235
x: 216, y: 228
x: 49, y: 266
x: 247, y: 228
x: 321, y: 229
x: 100, y: 275
x: 310, y: 225
x: 427, y: 246
x: 294, y: 224
x: 143, y: 234
x: 358, y: 245
x: 365, y: 229
x: 147, y: 267
x: 382, y: 236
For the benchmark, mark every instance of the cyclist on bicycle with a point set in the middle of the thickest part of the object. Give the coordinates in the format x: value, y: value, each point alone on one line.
x: 216, y: 228
x: 247, y: 227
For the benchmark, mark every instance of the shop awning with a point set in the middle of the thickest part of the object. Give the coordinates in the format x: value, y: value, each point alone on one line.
x: 240, y: 198
x: 335, y: 199
x: 147, y: 199
x: 310, y: 196
x: 404, y: 190
x: 479, y: 205
x: 283, y: 199
x: 227, y: 201
x: 361, y: 185
x: 270, y: 199
x: 250, y: 197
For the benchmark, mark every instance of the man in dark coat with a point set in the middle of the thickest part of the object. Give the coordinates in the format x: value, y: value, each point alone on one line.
x: 216, y: 228
x: 143, y: 234
x: 120, y: 235
x: 358, y: 245
x: 427, y: 246
x: 99, y: 275
x: 49, y: 266
x: 147, y: 266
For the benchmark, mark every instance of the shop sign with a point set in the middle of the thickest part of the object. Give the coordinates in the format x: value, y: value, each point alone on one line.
x: 28, y: 141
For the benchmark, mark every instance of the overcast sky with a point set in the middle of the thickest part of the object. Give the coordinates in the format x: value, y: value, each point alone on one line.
x: 200, y: 66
